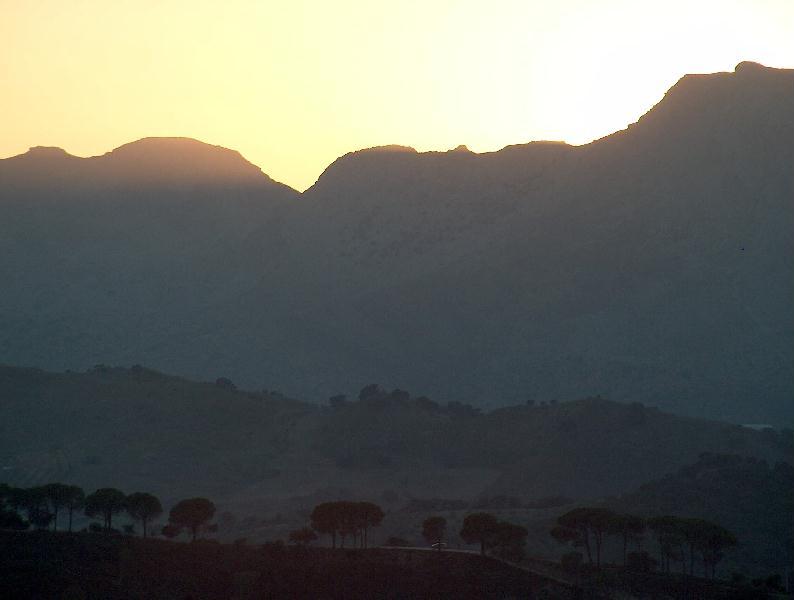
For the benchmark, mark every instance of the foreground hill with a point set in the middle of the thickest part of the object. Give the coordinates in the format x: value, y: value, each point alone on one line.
x: 752, y: 498
x: 47, y: 565
x: 137, y: 429
x: 652, y: 265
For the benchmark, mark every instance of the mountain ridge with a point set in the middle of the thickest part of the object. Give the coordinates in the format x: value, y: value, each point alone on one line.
x: 743, y: 70
x: 651, y: 265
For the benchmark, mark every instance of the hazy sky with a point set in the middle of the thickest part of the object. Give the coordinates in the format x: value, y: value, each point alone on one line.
x: 292, y: 84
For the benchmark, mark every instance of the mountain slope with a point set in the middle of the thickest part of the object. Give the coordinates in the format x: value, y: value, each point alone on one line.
x: 651, y: 265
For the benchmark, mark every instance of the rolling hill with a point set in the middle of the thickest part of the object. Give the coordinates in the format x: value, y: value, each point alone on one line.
x: 140, y: 429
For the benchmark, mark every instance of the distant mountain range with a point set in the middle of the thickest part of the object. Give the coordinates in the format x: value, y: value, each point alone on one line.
x: 653, y: 265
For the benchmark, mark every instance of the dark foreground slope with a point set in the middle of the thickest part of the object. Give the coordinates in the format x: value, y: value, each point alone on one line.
x: 653, y: 265
x: 46, y: 565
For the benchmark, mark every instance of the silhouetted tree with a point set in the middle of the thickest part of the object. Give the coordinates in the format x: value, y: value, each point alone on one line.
x: 73, y: 500
x: 371, y: 392
x: 5, y: 494
x: 9, y: 517
x: 670, y: 538
x: 60, y: 496
x: 192, y: 514
x: 34, y: 502
x: 369, y: 515
x: 479, y: 528
x: 324, y: 519
x: 348, y: 521
x: 575, y: 536
x: 584, y: 527
x: 143, y: 507
x: 304, y: 536
x: 626, y: 527
x: 509, y: 541
x: 433, y: 529
x: 105, y: 502
x: 345, y: 518
x: 713, y: 540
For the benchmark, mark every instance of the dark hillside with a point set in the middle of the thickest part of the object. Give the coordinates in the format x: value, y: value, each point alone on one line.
x: 750, y: 497
x: 115, y: 568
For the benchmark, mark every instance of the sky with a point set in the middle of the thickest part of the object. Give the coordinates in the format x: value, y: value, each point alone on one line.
x: 294, y: 84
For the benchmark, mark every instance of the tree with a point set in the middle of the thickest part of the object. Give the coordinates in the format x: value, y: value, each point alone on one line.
x: 568, y: 535
x: 479, y: 528
x: 9, y: 517
x: 626, y: 527
x: 34, y: 502
x: 509, y: 541
x: 433, y: 529
x: 73, y: 500
x: 584, y: 527
x: 690, y: 532
x: 369, y: 515
x: 325, y: 519
x: 670, y: 538
x: 61, y: 496
x: 192, y: 514
x: 304, y: 536
x: 105, y: 502
x: 143, y: 507
x: 373, y: 391
x: 712, y: 541
x: 348, y: 520
x: 345, y: 518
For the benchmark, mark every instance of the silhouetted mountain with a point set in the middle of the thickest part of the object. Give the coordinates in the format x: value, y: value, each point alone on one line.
x: 652, y: 265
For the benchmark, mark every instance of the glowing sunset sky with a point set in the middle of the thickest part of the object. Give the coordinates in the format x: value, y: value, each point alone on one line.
x: 293, y: 84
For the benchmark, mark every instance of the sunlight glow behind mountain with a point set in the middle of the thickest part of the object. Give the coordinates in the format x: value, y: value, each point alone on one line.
x: 295, y: 85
